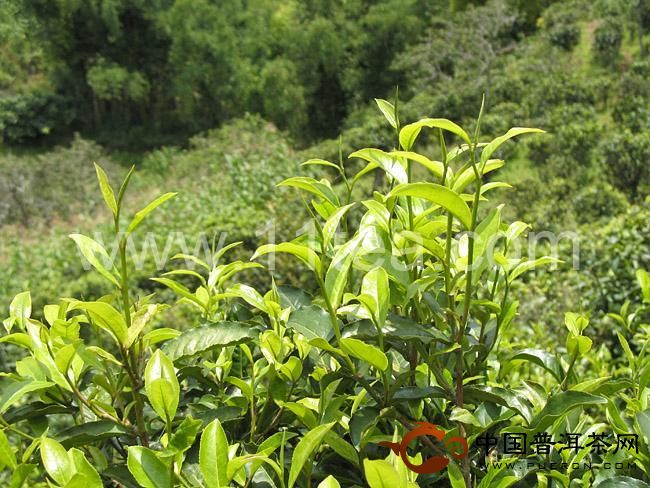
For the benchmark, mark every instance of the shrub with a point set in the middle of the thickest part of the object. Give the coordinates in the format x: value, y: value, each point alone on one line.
x: 33, y: 115
x: 410, y: 304
x: 608, y: 37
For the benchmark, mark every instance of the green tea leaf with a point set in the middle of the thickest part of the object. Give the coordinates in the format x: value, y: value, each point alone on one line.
x: 366, y: 352
x: 161, y: 385
x: 560, y: 404
x: 213, y: 455
x: 107, y: 191
x: 388, y: 109
x: 438, y: 194
x: 390, y: 164
x: 329, y: 482
x: 207, y: 337
x: 142, y: 214
x: 56, y: 461
x: 375, y: 287
x: 7, y: 455
x: 97, y: 256
x: 542, y: 358
x: 20, y: 309
x: 304, y: 253
x: 380, y: 474
x: 14, y: 392
x: 83, y: 468
x: 147, y: 469
x: 90, y: 433
x: 106, y: 317
x: 307, y: 445
x: 410, y: 132
x: 496, y: 143
x: 311, y: 322
x: 337, y: 273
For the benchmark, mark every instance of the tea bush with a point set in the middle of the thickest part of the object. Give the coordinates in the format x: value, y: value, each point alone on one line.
x: 411, y: 315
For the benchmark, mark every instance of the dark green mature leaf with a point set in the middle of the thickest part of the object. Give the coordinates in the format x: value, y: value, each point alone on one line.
x: 311, y: 322
x: 542, y: 358
x: 293, y: 297
x: 33, y: 410
x: 438, y: 194
x: 561, y: 404
x: 396, y: 328
x: 147, y: 469
x: 501, y: 396
x: 207, y: 337
x: 416, y: 393
x: 91, y: 432
x: 360, y: 422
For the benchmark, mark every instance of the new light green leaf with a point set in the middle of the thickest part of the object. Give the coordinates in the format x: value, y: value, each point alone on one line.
x: 82, y: 467
x: 388, y: 109
x: 329, y: 482
x: 375, y: 287
x: 142, y: 214
x: 310, y: 185
x: 528, y: 265
x: 307, y: 445
x: 56, y: 461
x: 390, y: 164
x: 107, y: 191
x: 7, y: 455
x: 329, y: 228
x: 302, y: 252
x: 161, y: 385
x: 496, y: 143
x: 147, y: 469
x: 96, y: 255
x: 213, y: 455
x: 436, y: 167
x: 380, y: 474
x: 337, y: 274
x: 106, y: 317
x: 438, y: 194
x: 20, y: 309
x: 410, y: 132
x: 14, y: 392
x: 366, y: 352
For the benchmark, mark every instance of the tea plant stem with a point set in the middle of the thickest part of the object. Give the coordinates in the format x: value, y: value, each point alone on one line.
x: 129, y: 356
x: 569, y: 370
x: 15, y: 430
x: 466, y: 306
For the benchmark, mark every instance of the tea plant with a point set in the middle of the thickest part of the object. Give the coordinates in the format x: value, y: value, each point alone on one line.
x: 296, y: 387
